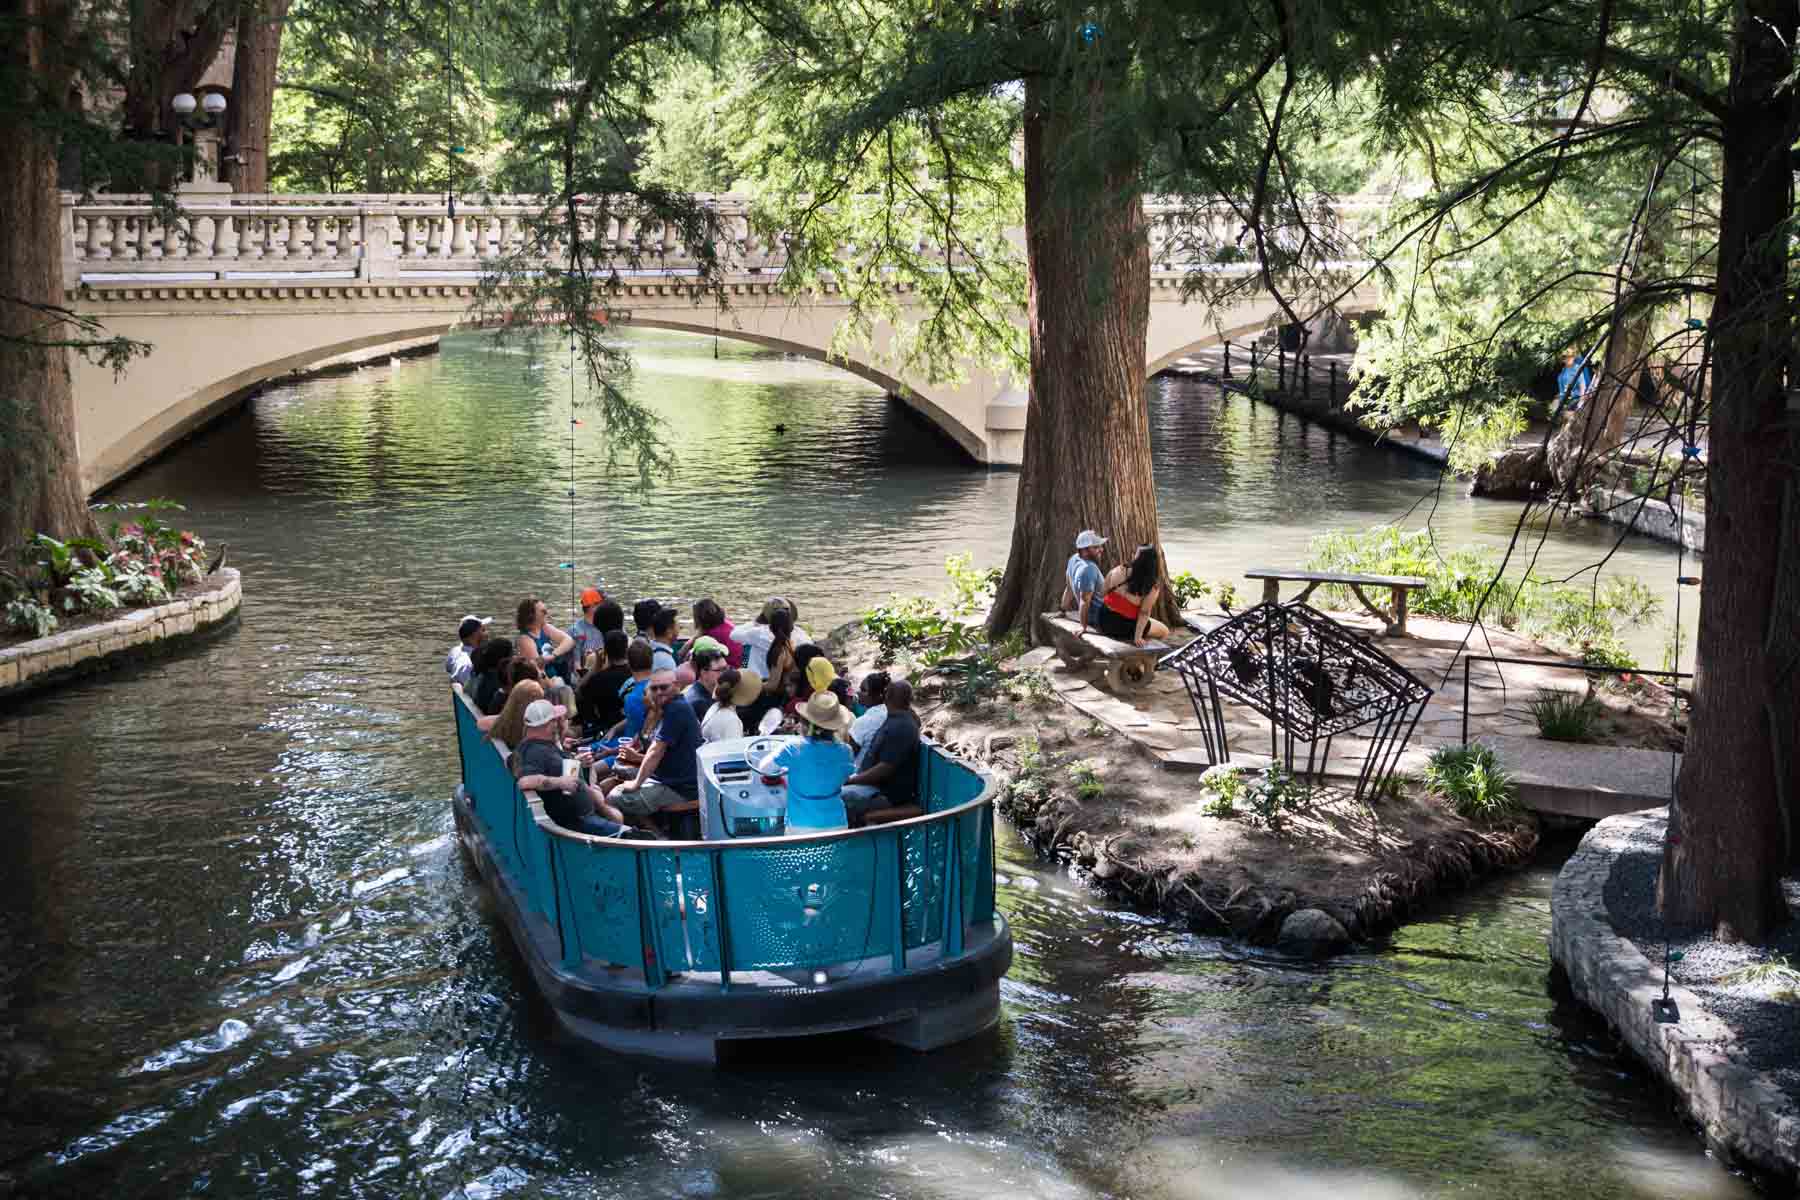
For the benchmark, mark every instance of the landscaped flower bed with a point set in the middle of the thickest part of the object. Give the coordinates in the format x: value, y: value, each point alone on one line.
x: 139, y: 561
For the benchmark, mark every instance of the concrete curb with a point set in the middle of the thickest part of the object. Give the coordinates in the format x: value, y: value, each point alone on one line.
x: 1741, y: 1111
x: 139, y: 633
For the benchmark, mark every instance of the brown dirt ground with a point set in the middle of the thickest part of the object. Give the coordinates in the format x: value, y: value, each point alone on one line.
x: 1145, y: 840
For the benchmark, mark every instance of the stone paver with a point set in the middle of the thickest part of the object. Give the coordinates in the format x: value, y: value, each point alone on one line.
x: 1587, y: 782
x: 1740, y: 1109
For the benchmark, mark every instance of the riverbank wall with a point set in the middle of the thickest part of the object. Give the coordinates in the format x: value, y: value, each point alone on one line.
x: 1742, y: 1111
x: 134, y: 635
x: 1649, y: 516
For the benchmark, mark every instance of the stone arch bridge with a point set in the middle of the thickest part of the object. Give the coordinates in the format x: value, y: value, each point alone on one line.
x: 245, y: 289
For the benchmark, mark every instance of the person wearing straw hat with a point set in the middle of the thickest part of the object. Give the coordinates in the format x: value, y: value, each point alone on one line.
x: 735, y: 689
x: 816, y: 767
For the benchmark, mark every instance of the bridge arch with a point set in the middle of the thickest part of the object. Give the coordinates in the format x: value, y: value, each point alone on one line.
x: 941, y: 419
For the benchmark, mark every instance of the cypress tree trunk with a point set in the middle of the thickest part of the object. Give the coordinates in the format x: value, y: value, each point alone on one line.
x: 40, y: 459
x: 258, y: 52
x: 1087, y: 429
x: 1723, y: 872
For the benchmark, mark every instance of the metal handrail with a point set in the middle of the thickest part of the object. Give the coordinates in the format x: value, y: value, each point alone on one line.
x: 1588, y: 668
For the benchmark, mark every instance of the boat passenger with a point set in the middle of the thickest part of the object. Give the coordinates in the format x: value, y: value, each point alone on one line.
x: 777, y: 659
x: 684, y: 672
x: 670, y: 772
x: 538, y: 764
x: 872, y: 693
x: 541, y: 640
x: 589, y: 637
x: 816, y: 768
x: 1131, y: 592
x: 632, y: 695
x: 663, y: 628
x: 485, y: 686
x: 889, y: 777
x: 734, y: 689
x: 459, y: 664
x: 515, y: 671
x: 709, y: 664
x: 758, y: 637
x: 643, y: 614
x: 508, y: 725
x: 599, y: 700
x: 709, y: 621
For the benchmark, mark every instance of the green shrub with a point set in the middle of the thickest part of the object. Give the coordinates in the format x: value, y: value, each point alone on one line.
x: 1777, y: 975
x: 1225, y: 789
x: 1564, y: 716
x: 1189, y: 588
x: 28, y: 616
x: 1225, y: 592
x: 1471, y: 779
x: 1276, y: 795
x: 1088, y: 785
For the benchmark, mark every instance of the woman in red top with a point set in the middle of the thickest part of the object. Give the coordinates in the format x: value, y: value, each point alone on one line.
x: 1131, y: 592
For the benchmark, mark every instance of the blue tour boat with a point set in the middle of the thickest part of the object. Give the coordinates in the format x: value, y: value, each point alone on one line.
x: 677, y: 948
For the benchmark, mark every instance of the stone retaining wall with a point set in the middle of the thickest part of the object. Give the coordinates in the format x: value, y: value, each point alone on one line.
x: 136, y: 633
x: 1650, y: 516
x: 1740, y: 1110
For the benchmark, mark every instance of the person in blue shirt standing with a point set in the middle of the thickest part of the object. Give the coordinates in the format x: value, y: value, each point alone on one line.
x: 816, y: 767
x: 1086, y: 583
x: 1574, y: 380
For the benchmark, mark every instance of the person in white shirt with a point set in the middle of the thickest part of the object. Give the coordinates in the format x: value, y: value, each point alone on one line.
x: 756, y: 638
x: 722, y: 719
x: 459, y: 664
x: 871, y: 695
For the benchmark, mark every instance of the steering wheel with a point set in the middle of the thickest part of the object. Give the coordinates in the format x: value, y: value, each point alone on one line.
x: 759, y: 748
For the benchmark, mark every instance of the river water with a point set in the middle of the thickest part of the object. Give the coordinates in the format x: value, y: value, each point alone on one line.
x: 239, y: 953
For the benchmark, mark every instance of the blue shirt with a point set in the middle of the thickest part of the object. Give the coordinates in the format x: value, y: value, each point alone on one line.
x: 816, y: 769
x: 680, y: 732
x: 634, y: 693
x: 1573, y: 382
x: 1085, y: 579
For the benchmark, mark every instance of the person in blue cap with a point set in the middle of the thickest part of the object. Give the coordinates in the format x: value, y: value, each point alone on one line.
x: 1086, y: 583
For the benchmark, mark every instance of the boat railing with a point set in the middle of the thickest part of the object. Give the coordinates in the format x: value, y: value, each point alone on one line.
x: 881, y: 899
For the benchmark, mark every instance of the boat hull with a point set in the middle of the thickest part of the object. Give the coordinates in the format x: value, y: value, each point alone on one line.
x: 928, y: 1006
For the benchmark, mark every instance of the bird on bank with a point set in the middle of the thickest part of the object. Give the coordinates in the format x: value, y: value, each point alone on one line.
x: 219, y: 562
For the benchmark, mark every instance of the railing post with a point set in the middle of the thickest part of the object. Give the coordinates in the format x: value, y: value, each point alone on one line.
x: 71, y: 268
x: 1465, y: 725
x: 1331, y: 390
x: 378, y: 257
x: 1228, y: 359
x: 1280, y: 367
x: 1306, y: 378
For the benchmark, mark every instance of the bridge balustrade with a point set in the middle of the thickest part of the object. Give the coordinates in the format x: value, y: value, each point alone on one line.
x: 871, y: 897
x: 387, y: 237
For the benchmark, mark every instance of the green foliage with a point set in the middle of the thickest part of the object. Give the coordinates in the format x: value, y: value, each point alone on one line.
x: 940, y: 629
x: 1461, y: 587
x: 1224, y: 790
x: 1275, y: 797
x: 1032, y: 686
x: 1564, y: 716
x: 1088, y: 784
x: 138, y: 562
x: 971, y: 590
x: 30, y: 616
x: 1189, y: 588
x: 1471, y: 779
x: 1225, y: 592
x: 1032, y: 782
x: 1777, y: 975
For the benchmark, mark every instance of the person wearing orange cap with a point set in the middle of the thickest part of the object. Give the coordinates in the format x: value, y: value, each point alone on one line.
x: 589, y: 637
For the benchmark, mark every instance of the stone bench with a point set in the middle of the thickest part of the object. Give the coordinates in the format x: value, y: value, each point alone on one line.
x: 1399, y: 588
x: 1127, y: 666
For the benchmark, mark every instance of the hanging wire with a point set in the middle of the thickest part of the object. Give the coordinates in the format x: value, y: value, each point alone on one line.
x: 574, y: 597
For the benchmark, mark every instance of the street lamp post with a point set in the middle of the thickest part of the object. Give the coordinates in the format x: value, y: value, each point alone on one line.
x: 192, y: 116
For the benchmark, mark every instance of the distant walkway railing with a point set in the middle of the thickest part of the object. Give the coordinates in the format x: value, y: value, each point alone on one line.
x: 869, y: 897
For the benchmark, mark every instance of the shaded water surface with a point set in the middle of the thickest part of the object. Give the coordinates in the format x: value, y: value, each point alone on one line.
x: 239, y: 953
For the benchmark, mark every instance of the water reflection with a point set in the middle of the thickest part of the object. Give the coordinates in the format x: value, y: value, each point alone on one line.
x: 239, y: 952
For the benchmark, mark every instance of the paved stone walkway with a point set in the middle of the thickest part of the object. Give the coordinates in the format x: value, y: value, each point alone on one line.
x: 1571, y: 780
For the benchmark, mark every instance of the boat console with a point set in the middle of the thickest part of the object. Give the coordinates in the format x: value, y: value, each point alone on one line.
x: 737, y: 800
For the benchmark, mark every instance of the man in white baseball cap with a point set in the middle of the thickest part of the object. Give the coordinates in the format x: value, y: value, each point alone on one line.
x: 459, y: 664
x: 1086, y: 582
x: 538, y: 764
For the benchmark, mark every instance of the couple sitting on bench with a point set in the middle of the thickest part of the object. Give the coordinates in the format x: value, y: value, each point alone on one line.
x: 1118, y: 603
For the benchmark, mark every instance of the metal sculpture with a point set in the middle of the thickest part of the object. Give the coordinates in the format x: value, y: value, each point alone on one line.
x: 1312, y: 678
